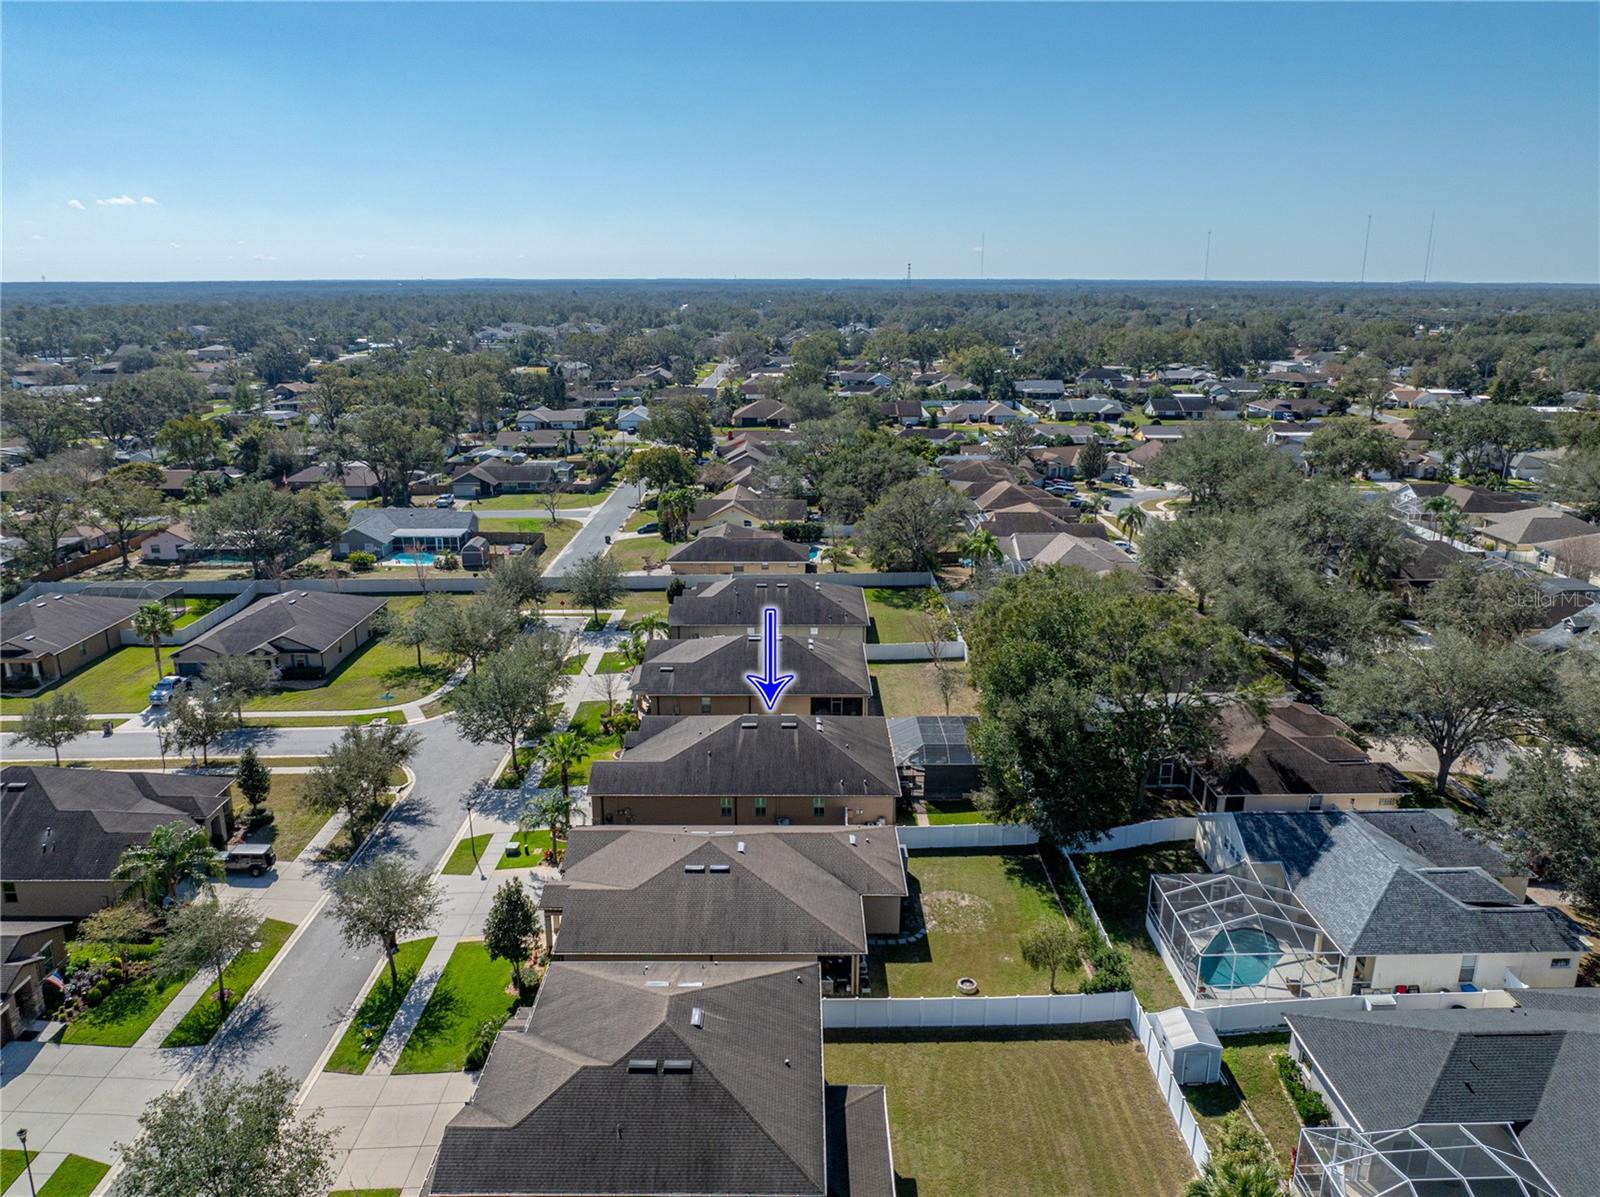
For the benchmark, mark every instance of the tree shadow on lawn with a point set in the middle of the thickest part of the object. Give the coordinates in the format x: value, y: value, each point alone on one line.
x: 425, y: 680
x: 438, y: 1018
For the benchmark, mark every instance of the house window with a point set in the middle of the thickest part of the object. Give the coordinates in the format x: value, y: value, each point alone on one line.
x: 1165, y: 773
x: 1469, y: 970
x: 9, y: 889
x: 836, y: 706
x: 819, y: 807
x: 727, y: 808
x: 705, y: 706
x: 1558, y: 962
x: 761, y: 808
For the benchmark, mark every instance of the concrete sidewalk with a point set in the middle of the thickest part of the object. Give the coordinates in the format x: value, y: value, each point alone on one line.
x: 387, y: 1128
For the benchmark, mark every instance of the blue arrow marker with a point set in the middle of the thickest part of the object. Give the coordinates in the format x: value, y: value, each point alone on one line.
x: 769, y: 683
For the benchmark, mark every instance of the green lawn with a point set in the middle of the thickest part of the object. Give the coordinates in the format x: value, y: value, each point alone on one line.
x: 613, y: 663
x: 322, y: 720
x: 12, y: 1163
x: 75, y: 1176
x: 203, y: 1021
x: 195, y: 609
x: 1118, y: 885
x: 471, y: 991
x: 128, y: 1010
x: 941, y: 813
x: 642, y: 602
x: 364, y: 679
x: 895, y: 613
x: 556, y: 532
x: 117, y: 683
x: 976, y: 906
x: 365, y: 1193
x: 536, y: 502
x: 573, y: 665
x: 586, y: 720
x: 460, y: 862
x: 629, y: 554
x: 525, y: 850
x: 645, y: 515
x: 907, y: 688
x: 1055, y: 1113
x: 1250, y: 1079
x: 377, y: 1010
x: 293, y: 822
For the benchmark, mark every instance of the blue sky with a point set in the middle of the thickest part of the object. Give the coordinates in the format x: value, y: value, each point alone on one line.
x: 1083, y: 141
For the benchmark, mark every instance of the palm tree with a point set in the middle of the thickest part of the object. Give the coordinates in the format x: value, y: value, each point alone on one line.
x: 632, y: 653
x: 648, y: 624
x: 174, y: 853
x: 1453, y: 524
x: 980, y: 548
x: 153, y: 621
x: 837, y: 554
x: 564, y: 751
x: 1134, y: 519
x: 1435, y: 507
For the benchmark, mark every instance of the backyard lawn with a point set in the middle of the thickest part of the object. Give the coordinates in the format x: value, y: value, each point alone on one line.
x: 1250, y: 1078
x: 202, y: 1022
x: 75, y: 1176
x: 471, y: 991
x: 1072, y: 1112
x: 196, y: 608
x: 293, y: 822
x: 942, y: 812
x: 556, y: 532
x: 117, y: 683
x: 907, y: 688
x: 377, y: 1010
x: 128, y: 1010
x: 463, y: 857
x: 895, y: 613
x: 976, y: 905
x: 629, y: 554
x: 642, y: 602
x: 1118, y: 885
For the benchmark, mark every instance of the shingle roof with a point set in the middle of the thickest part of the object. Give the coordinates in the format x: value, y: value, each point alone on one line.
x: 859, y: 1160
x: 715, y: 545
x: 1534, y: 1067
x: 55, y: 622
x: 717, y: 665
x: 310, y: 620
x: 800, y: 604
x: 1296, y: 750
x: 757, y: 891
x: 749, y: 756
x: 90, y: 816
x: 1372, y: 893
x: 383, y: 523
x: 770, y: 511
x: 566, y: 1103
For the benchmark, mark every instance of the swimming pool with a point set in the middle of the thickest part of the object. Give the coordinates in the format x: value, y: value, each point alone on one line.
x: 411, y: 559
x: 1239, y: 958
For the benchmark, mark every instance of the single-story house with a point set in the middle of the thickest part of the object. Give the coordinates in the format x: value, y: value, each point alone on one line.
x: 358, y: 481
x: 1039, y: 390
x: 52, y: 635
x: 808, y: 609
x: 1295, y: 758
x: 543, y: 442
x: 1335, y: 902
x: 1111, y: 376
x: 1190, y: 407
x: 763, y: 413
x: 721, y: 893
x: 1031, y: 519
x: 632, y: 419
x: 298, y: 633
x: 738, y: 769
x: 1474, y: 1102
x: 1285, y: 407
x: 489, y: 478
x: 1531, y: 527
x: 1023, y: 550
x: 1104, y: 410
x: 708, y: 675
x: 742, y: 506
x: 1055, y: 461
x: 545, y: 417
x: 932, y: 755
x: 907, y: 413
x: 385, y: 531
x: 735, y: 549
x: 691, y: 1079
x: 66, y: 829
x: 1535, y: 464
x: 173, y: 543
x: 30, y: 950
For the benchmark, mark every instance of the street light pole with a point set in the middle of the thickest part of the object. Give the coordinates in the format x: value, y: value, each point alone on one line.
x: 27, y: 1160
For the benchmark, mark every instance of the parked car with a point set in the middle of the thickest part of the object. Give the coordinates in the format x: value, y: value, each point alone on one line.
x: 1059, y: 488
x: 1125, y: 546
x: 446, y: 500
x: 254, y: 859
x: 166, y: 688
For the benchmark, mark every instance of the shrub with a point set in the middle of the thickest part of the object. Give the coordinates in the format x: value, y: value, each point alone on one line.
x: 804, y: 531
x: 1313, y: 1110
x: 482, y: 1041
x: 1113, y: 969
x: 361, y: 561
x: 447, y: 561
x: 95, y: 996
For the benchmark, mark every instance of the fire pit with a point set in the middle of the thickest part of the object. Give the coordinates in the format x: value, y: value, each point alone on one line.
x: 966, y: 986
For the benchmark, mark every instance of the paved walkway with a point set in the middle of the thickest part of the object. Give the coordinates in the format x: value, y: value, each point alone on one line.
x: 387, y: 1128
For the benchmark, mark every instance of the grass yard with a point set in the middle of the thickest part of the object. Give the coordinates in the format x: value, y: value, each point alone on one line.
x: 1250, y: 1079
x: 75, y: 1176
x: 907, y: 688
x: 639, y: 519
x: 642, y: 602
x: 195, y: 609
x: 128, y: 1010
x: 147, y: 764
x: 895, y: 613
x: 321, y: 720
x: 364, y: 678
x: 293, y: 822
x: 613, y: 663
x: 204, y: 1020
x: 629, y: 554
x: 556, y: 532
x: 1118, y: 885
x: 586, y: 721
x: 536, y: 502
x: 976, y: 905
x: 471, y: 991
x: 573, y: 665
x: 377, y: 1010
x: 117, y: 683
x: 12, y: 1163
x: 525, y: 850
x: 462, y: 857
x: 1057, y: 1113
x: 943, y: 812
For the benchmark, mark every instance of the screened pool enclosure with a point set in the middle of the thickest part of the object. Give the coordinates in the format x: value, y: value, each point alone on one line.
x: 1439, y: 1159
x: 1242, y: 936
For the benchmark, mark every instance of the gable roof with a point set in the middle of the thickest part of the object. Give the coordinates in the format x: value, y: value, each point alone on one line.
x: 730, y: 1101
x: 751, y: 756
x: 53, y: 622
x: 717, y: 665
x: 739, y: 600
x: 385, y: 523
x: 88, y: 816
x: 775, y: 891
x: 309, y: 620
x: 729, y: 542
x: 1294, y: 750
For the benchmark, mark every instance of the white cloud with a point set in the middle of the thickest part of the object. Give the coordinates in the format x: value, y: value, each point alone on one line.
x: 36, y: 237
x: 174, y: 245
x: 117, y: 201
x: 145, y: 199
x: 78, y: 204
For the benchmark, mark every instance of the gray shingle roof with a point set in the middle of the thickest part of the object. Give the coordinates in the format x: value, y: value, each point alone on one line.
x: 55, y: 622
x: 90, y: 816
x: 761, y: 891
x: 800, y: 604
x: 382, y: 523
x: 562, y: 1107
x: 751, y: 755
x: 859, y: 1161
x: 310, y: 620
x: 717, y: 665
x: 1536, y: 1067
x: 1372, y: 893
x: 1296, y: 750
x: 714, y: 545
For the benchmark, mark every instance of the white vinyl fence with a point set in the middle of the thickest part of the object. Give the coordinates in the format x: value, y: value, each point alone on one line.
x: 1140, y: 835
x: 1055, y: 1010
x: 1194, y: 1141
x: 949, y: 650
x: 968, y: 835
x: 1244, y: 1017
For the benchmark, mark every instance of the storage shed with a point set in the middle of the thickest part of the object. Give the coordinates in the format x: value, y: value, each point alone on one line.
x: 1191, y: 1048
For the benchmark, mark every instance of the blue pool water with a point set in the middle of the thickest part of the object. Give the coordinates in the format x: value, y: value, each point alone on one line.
x: 1239, y: 958
x: 412, y: 559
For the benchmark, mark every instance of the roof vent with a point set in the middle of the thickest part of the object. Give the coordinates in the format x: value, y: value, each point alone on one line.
x: 48, y: 840
x: 716, y: 868
x: 852, y: 839
x: 694, y: 868
x: 677, y: 1066
x: 691, y: 984
x: 657, y: 984
x: 761, y: 585
x: 789, y: 724
x: 749, y: 724
x: 741, y: 845
x: 641, y: 1065
x: 666, y: 669
x: 781, y: 585
x: 697, y: 1017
